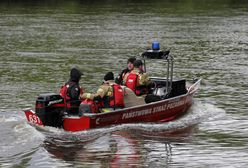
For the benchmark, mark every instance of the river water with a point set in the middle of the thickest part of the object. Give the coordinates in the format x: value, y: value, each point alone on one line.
x: 41, y: 41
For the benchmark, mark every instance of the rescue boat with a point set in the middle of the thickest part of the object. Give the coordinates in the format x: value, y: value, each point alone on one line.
x: 168, y: 100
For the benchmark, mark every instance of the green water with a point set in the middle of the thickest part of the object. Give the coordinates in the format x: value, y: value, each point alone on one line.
x: 41, y: 41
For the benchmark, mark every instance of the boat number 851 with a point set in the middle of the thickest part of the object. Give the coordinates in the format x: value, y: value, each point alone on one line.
x: 34, y: 119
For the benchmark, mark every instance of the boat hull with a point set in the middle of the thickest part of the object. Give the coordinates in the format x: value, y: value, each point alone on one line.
x: 166, y: 110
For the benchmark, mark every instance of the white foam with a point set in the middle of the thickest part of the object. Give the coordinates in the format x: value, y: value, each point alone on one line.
x: 198, y: 113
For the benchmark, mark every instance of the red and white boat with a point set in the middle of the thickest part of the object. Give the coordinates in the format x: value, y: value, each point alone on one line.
x: 173, y: 99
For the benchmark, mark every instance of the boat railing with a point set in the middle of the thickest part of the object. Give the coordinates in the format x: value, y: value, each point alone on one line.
x: 168, y: 59
x: 195, y: 86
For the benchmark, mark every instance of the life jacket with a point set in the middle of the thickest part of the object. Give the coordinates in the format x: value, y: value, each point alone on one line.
x: 131, y: 81
x: 124, y: 73
x: 114, y: 98
x: 120, y: 77
x: 133, y: 84
x: 65, y: 91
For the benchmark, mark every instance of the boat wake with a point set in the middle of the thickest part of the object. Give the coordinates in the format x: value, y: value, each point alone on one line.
x: 18, y: 140
x: 198, y: 113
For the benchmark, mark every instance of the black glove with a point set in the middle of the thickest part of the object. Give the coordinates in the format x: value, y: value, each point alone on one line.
x: 97, y: 98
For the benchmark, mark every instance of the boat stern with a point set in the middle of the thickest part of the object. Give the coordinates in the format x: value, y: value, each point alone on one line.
x: 32, y: 118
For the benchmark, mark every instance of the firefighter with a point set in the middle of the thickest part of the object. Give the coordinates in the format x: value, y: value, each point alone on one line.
x: 71, y: 91
x: 109, y: 94
x: 137, y: 80
x: 119, y: 78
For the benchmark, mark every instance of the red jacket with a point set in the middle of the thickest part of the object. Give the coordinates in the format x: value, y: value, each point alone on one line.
x: 117, y: 98
x: 113, y: 96
x: 132, y: 82
x: 71, y: 92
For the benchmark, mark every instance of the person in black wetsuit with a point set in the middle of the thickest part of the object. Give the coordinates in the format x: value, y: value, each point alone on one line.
x: 72, y: 92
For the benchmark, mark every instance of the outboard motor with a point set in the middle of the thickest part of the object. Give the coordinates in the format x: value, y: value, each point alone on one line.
x: 88, y: 106
x: 49, y: 107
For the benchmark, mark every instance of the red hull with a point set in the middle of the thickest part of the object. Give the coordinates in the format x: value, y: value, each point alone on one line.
x: 165, y: 110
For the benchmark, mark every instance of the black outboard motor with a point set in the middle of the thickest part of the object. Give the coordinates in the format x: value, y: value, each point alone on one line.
x: 50, y: 108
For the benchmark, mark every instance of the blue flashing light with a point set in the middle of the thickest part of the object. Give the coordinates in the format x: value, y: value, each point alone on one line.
x: 155, y: 45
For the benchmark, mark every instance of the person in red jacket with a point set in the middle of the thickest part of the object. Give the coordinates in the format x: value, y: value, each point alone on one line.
x: 72, y: 92
x: 137, y: 80
x: 130, y: 66
x: 109, y: 94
